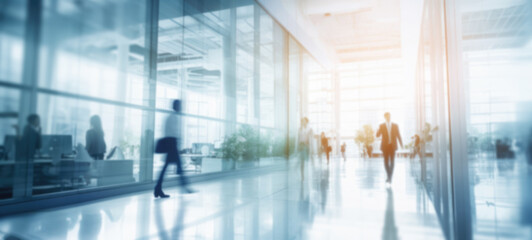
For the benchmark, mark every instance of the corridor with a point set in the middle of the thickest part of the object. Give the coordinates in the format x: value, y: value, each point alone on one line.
x: 347, y: 200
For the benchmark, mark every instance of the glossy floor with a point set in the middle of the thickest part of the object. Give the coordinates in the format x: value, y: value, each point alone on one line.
x: 346, y: 200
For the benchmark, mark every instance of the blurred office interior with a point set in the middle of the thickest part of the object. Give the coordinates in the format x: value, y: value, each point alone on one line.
x: 456, y: 73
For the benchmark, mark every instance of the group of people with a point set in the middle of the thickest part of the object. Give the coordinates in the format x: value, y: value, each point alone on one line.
x: 387, y: 131
x: 305, y: 137
x: 29, y: 140
x: 29, y: 143
x: 96, y: 147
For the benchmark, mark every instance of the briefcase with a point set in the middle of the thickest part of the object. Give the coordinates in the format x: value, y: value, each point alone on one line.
x: 164, y: 145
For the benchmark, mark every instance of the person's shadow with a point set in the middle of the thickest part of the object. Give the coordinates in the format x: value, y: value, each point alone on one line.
x: 389, y: 231
x: 175, y: 232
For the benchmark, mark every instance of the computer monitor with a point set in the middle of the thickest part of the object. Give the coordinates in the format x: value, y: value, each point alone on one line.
x: 53, y: 145
x: 202, y: 148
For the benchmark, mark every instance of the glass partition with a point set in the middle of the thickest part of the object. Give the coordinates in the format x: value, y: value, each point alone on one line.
x: 495, y: 57
x: 475, y: 157
x: 430, y: 147
x: 90, y: 99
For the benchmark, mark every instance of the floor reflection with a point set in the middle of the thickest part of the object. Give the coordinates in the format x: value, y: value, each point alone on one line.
x: 173, y: 231
x: 389, y: 231
x: 324, y: 187
x: 90, y: 224
x: 343, y: 200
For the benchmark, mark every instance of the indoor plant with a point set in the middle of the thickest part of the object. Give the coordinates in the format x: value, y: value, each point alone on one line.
x: 365, y: 138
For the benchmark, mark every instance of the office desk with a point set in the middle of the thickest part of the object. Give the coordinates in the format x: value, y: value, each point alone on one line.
x: 36, y: 161
x: 195, y: 159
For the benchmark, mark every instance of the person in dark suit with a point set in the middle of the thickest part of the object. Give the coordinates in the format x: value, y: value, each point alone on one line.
x: 390, y: 136
x: 30, y: 140
x: 94, y: 139
x: 169, y: 145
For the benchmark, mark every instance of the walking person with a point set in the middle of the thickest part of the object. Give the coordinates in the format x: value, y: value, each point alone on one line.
x: 303, y: 144
x: 342, y: 149
x: 390, y: 136
x: 325, y: 146
x: 169, y: 145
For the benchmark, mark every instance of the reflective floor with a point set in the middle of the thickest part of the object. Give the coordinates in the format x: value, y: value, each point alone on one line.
x: 346, y: 200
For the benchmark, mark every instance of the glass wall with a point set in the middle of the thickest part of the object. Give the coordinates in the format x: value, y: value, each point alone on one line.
x: 484, y: 57
x: 114, y: 67
x: 319, y: 98
x: 495, y: 53
x: 430, y: 158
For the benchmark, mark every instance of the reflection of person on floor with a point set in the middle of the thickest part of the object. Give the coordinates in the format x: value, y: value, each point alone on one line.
x: 169, y: 145
x: 324, y: 187
x: 177, y: 228
x: 342, y: 149
x: 390, y: 135
x: 94, y: 139
x: 325, y: 146
x: 303, y: 143
x: 389, y: 231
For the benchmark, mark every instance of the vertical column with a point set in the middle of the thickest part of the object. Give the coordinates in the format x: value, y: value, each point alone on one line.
x: 337, y: 103
x: 442, y: 119
x: 149, y: 90
x: 281, y: 81
x: 303, y: 85
x: 23, y: 177
x: 435, y: 89
x: 229, y: 72
x: 458, y: 125
x: 256, y: 63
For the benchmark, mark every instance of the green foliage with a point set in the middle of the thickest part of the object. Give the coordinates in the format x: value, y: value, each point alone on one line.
x: 426, y: 134
x: 365, y: 136
x: 248, y: 144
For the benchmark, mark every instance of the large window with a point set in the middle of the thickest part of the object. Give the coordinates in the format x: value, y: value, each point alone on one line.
x: 124, y: 62
x: 368, y: 89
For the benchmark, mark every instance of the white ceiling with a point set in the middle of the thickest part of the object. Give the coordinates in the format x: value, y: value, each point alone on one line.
x: 357, y: 29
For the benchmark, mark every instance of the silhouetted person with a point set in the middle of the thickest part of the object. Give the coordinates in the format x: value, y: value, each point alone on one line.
x: 325, y: 146
x: 94, y: 139
x: 304, y: 137
x: 30, y: 140
x: 169, y: 145
x: 390, y: 135
x: 27, y: 144
x: 342, y: 149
